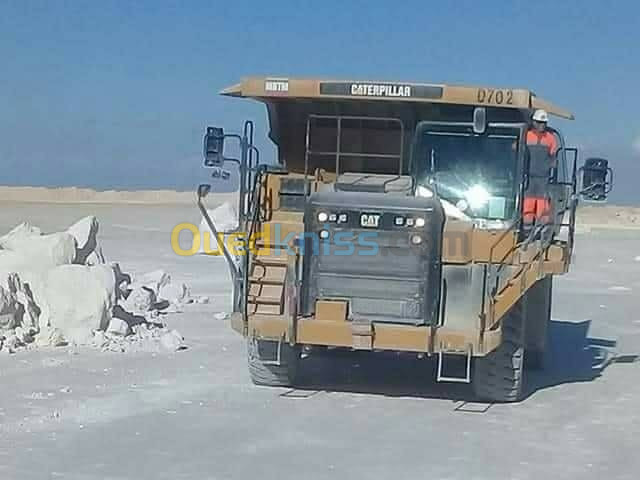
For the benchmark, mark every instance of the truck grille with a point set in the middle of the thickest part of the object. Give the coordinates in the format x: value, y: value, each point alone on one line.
x: 381, y: 274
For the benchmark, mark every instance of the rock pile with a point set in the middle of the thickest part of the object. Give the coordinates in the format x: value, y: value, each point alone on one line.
x: 58, y: 289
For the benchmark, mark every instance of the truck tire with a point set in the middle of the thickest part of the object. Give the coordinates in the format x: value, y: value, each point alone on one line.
x: 260, y: 354
x: 538, y: 315
x: 498, y: 377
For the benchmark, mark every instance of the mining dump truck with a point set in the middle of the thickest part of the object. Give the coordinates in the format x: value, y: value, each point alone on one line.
x: 393, y: 220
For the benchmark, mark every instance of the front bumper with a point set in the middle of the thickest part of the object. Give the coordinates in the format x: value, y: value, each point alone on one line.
x: 381, y: 336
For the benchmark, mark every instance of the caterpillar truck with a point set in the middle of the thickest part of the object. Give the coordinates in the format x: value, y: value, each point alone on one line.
x: 392, y: 220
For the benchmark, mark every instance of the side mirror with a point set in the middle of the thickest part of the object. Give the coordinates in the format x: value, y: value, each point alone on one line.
x: 203, y: 190
x: 597, y: 179
x: 214, y: 147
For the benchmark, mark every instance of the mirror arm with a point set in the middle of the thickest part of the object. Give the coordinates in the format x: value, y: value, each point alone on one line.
x: 233, y: 268
x: 203, y: 190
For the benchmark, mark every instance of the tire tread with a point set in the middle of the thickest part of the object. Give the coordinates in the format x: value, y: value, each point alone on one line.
x: 499, y: 376
x: 282, y: 375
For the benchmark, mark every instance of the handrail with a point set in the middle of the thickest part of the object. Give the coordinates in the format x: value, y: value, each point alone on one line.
x: 338, y: 130
x: 254, y: 207
x: 537, y: 257
x: 546, y: 242
x: 534, y: 232
x: 504, y: 234
x: 502, y: 265
x: 532, y: 235
x: 487, y: 272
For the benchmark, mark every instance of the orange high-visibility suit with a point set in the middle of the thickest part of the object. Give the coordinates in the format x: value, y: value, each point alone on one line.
x: 536, y: 207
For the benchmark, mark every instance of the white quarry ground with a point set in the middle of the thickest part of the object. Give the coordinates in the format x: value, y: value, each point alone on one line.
x: 78, y: 412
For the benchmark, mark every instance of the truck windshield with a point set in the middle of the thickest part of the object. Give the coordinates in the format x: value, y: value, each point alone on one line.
x: 477, y: 174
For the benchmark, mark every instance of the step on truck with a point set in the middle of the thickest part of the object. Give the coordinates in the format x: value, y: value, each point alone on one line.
x: 393, y: 219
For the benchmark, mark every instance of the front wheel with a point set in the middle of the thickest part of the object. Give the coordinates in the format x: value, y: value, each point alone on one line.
x: 270, y: 368
x: 499, y: 376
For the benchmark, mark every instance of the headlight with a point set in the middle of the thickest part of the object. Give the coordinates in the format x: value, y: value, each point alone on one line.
x: 342, y: 218
x: 324, y: 234
x: 419, y: 222
x: 323, y: 217
x: 416, y: 239
x: 462, y: 205
x: 477, y: 196
x: 333, y: 217
x: 409, y: 222
x: 399, y: 221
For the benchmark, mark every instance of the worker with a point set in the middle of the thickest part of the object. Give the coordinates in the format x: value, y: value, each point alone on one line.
x: 537, y: 206
x: 538, y: 134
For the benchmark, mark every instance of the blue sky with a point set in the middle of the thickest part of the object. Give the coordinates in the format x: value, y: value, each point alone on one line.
x: 116, y: 94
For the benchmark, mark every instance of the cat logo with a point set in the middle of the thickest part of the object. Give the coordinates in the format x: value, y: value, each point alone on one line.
x: 369, y: 220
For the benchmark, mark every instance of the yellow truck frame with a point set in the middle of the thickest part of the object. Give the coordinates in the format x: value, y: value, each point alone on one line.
x: 511, y: 272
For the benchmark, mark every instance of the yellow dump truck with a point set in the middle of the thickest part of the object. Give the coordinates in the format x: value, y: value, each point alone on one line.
x: 392, y: 220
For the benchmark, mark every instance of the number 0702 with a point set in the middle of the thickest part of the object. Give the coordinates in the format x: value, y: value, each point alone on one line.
x: 495, y: 96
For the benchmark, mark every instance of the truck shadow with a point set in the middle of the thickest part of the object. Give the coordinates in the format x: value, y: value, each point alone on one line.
x: 572, y: 357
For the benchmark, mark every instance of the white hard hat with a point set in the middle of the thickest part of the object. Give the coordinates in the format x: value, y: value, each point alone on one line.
x: 540, y: 116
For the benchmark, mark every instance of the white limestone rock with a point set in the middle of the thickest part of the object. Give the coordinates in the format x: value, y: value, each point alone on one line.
x: 76, y: 299
x: 118, y: 327
x: 11, y: 343
x: 17, y: 234
x: 172, y: 341
x: 25, y: 335
x: 50, y: 337
x: 153, y: 281
x: 85, y: 233
x: 43, y: 250
x: 175, y: 293
x: 28, y: 312
x: 8, y: 309
x: 140, y: 300
x: 96, y: 257
x: 99, y: 339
